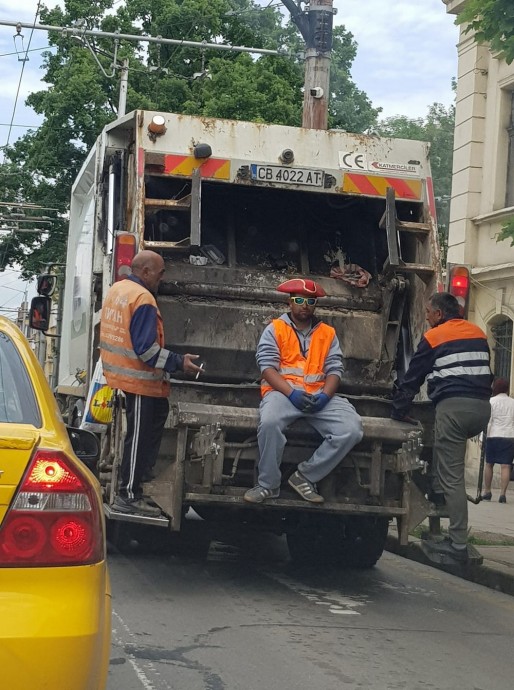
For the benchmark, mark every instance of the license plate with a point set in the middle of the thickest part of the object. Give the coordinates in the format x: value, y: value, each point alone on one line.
x: 283, y: 175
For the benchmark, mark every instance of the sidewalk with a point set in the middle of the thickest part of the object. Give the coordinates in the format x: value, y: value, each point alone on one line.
x: 492, y: 533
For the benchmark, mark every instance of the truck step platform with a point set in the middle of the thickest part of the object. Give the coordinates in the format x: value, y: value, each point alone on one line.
x: 111, y: 514
x: 292, y: 503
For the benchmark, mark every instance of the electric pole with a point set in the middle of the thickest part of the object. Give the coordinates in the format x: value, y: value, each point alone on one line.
x: 315, y: 25
x: 122, y: 102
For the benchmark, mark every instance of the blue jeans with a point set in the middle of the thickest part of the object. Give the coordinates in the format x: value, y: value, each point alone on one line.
x: 338, y: 423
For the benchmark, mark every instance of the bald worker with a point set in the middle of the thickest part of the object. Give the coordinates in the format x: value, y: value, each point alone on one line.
x: 136, y: 362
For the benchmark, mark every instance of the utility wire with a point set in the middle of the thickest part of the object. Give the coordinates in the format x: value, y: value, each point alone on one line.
x: 21, y: 75
x: 33, y: 50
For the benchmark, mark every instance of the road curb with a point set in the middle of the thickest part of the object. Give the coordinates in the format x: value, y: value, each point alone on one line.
x: 491, y: 574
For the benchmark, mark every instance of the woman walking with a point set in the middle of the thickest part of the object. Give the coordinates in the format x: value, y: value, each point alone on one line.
x: 499, y: 446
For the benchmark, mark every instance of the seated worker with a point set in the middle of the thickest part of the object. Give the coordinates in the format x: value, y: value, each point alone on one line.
x: 301, y: 365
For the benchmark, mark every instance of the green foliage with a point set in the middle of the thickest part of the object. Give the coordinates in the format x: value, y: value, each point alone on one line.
x: 507, y: 232
x: 493, y: 22
x: 438, y: 129
x: 81, y: 96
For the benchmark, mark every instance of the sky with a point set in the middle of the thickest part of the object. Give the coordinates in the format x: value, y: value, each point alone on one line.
x: 406, y: 59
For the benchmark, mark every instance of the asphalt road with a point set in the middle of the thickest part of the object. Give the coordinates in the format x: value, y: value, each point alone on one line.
x: 247, y: 619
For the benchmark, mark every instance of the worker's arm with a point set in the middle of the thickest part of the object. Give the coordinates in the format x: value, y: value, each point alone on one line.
x: 143, y: 333
x: 420, y: 366
x: 268, y: 360
x: 331, y: 385
x: 333, y: 368
x: 276, y: 381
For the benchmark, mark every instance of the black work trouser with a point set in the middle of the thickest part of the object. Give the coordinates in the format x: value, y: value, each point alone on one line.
x: 146, y: 417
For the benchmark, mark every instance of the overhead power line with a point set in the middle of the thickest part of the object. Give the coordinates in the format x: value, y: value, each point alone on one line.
x: 24, y: 62
x: 204, y: 45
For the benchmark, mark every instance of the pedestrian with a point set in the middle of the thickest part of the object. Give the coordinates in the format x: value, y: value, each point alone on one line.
x: 136, y: 361
x: 499, y: 445
x: 301, y: 366
x: 453, y: 355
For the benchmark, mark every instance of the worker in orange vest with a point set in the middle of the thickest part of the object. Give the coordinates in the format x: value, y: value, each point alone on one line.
x: 301, y: 365
x: 136, y: 361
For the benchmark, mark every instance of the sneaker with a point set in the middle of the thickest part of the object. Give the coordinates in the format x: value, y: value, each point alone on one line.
x: 135, y: 506
x: 502, y: 499
x: 305, y: 488
x: 259, y: 494
x: 446, y: 548
x: 487, y: 496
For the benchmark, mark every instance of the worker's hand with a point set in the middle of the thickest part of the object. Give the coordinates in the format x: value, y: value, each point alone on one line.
x: 189, y: 366
x: 300, y: 399
x: 318, y: 402
x: 403, y: 418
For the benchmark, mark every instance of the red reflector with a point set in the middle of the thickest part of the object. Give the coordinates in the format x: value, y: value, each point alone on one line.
x: 124, y: 252
x: 51, y: 472
x: 71, y: 537
x: 24, y: 538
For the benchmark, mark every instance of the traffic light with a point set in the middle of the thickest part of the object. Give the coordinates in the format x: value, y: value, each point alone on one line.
x: 39, y: 315
x: 46, y: 283
x: 459, y: 283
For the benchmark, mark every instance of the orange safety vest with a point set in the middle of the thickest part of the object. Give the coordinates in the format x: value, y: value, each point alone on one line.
x: 122, y: 367
x: 301, y: 372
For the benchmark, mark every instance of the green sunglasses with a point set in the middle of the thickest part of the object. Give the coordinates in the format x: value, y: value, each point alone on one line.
x: 311, y: 301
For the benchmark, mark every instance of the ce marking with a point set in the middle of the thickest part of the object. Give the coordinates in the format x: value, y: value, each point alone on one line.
x: 353, y: 161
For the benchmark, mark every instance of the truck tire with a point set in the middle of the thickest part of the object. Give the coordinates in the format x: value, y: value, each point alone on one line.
x: 353, y: 542
x: 364, y: 541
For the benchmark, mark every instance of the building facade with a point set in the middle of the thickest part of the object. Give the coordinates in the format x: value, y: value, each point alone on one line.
x: 483, y: 195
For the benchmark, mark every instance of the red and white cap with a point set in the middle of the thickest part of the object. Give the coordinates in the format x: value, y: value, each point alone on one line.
x: 302, y: 286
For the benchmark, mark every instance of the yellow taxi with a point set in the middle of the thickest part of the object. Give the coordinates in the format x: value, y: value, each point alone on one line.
x: 55, y: 600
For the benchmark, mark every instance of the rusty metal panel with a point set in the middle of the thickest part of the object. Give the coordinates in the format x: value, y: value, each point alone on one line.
x: 236, y: 145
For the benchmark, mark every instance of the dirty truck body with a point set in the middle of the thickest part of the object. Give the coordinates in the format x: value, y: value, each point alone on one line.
x: 236, y: 208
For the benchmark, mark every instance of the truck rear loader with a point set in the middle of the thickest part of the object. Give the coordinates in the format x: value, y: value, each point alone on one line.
x: 235, y: 208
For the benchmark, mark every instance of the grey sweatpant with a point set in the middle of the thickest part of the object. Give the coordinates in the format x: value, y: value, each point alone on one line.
x: 338, y: 423
x: 456, y: 420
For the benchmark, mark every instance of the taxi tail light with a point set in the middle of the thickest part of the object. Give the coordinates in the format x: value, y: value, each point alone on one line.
x: 458, y: 285
x: 124, y: 252
x: 54, y: 519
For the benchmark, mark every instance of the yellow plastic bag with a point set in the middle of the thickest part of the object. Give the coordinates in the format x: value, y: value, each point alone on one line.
x: 99, y: 403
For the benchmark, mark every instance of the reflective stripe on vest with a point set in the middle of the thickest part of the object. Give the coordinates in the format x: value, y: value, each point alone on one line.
x: 123, y: 369
x: 301, y: 372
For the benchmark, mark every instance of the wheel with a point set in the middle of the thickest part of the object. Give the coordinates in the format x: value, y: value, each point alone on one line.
x: 352, y: 542
x: 364, y: 541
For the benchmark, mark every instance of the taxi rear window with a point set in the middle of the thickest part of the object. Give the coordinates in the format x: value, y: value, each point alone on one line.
x: 17, y: 400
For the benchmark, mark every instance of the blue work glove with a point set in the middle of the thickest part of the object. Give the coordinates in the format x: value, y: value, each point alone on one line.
x: 318, y: 402
x: 300, y: 399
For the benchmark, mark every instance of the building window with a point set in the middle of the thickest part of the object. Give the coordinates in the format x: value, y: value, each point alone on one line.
x: 509, y: 201
x: 502, y: 349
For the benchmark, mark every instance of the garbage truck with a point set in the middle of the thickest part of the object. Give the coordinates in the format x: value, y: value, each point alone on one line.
x: 236, y: 208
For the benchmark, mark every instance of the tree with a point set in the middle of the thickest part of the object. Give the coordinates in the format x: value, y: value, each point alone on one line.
x: 81, y: 98
x: 437, y: 128
x: 492, y: 21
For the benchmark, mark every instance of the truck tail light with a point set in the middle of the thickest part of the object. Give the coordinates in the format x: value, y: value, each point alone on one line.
x: 458, y: 285
x: 54, y: 519
x: 124, y: 252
